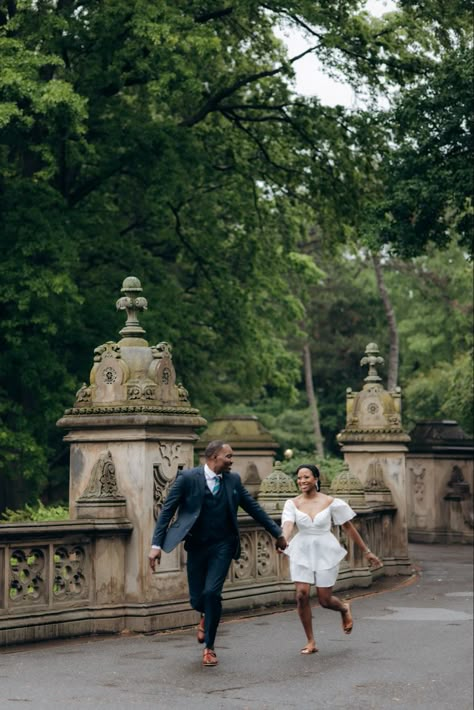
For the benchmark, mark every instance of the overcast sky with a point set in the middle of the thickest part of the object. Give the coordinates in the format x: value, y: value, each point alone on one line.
x: 310, y: 80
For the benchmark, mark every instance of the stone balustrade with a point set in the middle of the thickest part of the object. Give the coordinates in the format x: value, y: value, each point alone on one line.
x: 130, y: 431
x: 61, y: 579
x: 68, y: 578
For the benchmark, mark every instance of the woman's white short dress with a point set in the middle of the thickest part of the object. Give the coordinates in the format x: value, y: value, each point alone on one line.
x: 314, y: 547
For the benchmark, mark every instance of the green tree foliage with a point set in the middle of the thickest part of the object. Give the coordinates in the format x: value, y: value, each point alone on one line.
x: 161, y: 139
x: 433, y: 295
x: 35, y: 513
x: 427, y: 174
x: 164, y: 140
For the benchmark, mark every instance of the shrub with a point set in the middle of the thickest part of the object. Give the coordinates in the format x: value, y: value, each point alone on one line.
x: 35, y: 513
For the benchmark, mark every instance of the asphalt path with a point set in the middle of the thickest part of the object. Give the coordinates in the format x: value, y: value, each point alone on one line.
x: 411, y: 647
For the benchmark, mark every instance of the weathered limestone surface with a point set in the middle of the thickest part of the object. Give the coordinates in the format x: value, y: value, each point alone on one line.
x: 441, y: 483
x: 130, y: 430
x: 375, y: 446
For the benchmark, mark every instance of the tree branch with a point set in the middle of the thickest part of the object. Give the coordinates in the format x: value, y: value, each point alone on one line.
x: 215, y: 15
x: 212, y: 104
x: 350, y: 52
x: 195, y: 253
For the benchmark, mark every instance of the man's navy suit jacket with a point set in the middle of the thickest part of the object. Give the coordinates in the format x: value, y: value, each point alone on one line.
x: 187, y: 494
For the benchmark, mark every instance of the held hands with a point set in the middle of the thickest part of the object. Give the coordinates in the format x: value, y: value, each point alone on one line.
x: 154, y: 556
x: 281, y: 544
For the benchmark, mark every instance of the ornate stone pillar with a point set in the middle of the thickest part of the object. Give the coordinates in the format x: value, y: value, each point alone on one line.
x: 131, y: 428
x: 373, y: 441
x: 253, y: 445
x: 441, y: 481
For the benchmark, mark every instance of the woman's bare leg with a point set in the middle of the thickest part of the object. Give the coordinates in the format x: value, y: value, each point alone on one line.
x: 305, y: 614
x: 329, y: 601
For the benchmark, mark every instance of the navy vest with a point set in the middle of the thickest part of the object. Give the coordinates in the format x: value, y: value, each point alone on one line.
x: 215, y: 521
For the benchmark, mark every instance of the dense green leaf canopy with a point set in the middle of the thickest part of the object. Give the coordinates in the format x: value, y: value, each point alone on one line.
x: 163, y: 139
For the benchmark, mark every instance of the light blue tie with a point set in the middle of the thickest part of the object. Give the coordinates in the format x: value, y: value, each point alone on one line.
x: 217, y: 485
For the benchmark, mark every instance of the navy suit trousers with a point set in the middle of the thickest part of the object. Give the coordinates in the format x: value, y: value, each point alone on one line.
x: 207, y: 568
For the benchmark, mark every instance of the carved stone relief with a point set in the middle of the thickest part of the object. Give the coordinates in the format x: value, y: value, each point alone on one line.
x: 108, y: 374
x: 103, y: 482
x: 138, y: 390
x: 162, y: 372
x: 418, y: 472
x: 27, y: 575
x: 375, y: 480
x: 265, y: 556
x: 83, y: 394
x: 243, y: 567
x: 165, y: 472
x: 457, y: 487
x: 70, y: 575
x: 251, y: 475
x: 229, y: 431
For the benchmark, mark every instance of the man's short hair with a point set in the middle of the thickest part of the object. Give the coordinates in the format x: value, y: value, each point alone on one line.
x: 213, y: 447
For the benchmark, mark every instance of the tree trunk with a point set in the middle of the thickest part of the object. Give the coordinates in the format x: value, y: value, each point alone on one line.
x: 392, y: 376
x: 313, y: 403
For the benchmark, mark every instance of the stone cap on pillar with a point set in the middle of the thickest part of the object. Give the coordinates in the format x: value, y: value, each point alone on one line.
x: 373, y: 414
x: 443, y: 436
x: 130, y: 377
x: 240, y: 431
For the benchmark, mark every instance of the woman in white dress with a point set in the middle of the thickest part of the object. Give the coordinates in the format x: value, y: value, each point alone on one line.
x: 315, y: 553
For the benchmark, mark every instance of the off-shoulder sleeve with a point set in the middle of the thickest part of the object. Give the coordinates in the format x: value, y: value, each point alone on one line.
x: 341, y: 512
x: 289, y: 512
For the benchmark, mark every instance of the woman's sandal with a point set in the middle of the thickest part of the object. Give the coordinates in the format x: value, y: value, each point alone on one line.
x: 347, y: 621
x: 307, y: 651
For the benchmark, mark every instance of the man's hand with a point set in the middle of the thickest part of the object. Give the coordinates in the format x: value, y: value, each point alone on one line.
x: 281, y: 543
x: 154, y: 556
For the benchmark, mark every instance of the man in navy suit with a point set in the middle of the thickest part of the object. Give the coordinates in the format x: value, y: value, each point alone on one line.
x: 208, y: 498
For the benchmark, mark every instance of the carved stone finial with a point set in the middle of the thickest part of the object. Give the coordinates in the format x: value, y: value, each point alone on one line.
x: 276, y: 488
x: 372, y: 359
x: 132, y: 303
x: 346, y: 485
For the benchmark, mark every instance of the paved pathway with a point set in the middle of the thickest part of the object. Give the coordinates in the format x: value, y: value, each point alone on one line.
x: 411, y: 648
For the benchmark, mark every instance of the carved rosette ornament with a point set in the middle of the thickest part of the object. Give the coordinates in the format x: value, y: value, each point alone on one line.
x: 373, y: 413
x: 129, y: 376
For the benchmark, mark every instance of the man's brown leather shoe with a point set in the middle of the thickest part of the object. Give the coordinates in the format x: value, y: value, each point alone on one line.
x: 201, y: 631
x: 209, y: 657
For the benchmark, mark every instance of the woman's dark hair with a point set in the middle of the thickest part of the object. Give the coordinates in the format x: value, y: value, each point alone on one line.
x: 314, y: 470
